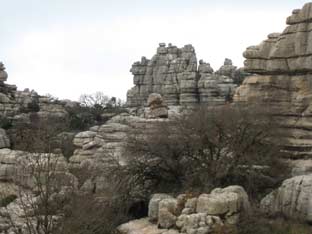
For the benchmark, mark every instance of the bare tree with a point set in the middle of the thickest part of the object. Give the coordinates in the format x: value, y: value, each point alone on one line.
x: 207, y: 148
x: 95, y: 99
x: 43, y: 189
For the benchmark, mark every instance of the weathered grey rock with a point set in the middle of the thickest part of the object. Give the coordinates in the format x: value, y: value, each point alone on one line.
x: 229, y: 202
x: 190, y: 206
x: 154, y: 100
x: 173, y: 73
x: 219, y: 204
x: 141, y: 226
x: 199, y: 223
x: 153, y: 206
x: 301, y: 167
x: 16, y: 166
x: 4, y: 140
x: 281, y: 83
x: 292, y: 199
x: 167, y: 213
x: 243, y: 196
x: 156, y: 107
x: 108, y: 140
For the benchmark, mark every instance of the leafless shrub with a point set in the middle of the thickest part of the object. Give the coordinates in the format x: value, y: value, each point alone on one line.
x: 207, y: 148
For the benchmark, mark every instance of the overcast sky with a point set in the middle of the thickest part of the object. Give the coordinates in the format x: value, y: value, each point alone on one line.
x: 70, y: 47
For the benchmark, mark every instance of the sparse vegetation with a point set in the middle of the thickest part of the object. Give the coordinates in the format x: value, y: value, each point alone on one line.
x: 208, y: 148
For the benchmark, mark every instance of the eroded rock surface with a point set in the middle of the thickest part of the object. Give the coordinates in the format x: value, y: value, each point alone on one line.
x: 156, y: 107
x: 189, y: 215
x: 173, y: 72
x: 4, y: 140
x: 293, y: 199
x: 17, y: 166
x: 282, y: 68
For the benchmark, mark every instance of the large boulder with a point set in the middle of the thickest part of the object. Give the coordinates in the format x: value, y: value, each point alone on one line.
x: 156, y: 107
x: 292, y: 199
x: 141, y: 226
x: 153, y: 206
x: 229, y: 202
x: 167, y: 212
x: 189, y: 214
x: 200, y: 223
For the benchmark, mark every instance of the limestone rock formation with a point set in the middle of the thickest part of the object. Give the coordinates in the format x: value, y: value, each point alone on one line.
x: 292, y: 199
x: 101, y: 144
x: 4, y: 140
x: 141, y: 226
x: 173, y: 73
x: 153, y: 206
x: 190, y: 215
x: 15, y: 165
x: 156, y: 107
x: 301, y: 167
x: 282, y: 68
x: 216, y: 88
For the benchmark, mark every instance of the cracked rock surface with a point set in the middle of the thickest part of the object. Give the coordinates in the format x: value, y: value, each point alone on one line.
x: 282, y: 81
x: 174, y: 73
x: 293, y: 199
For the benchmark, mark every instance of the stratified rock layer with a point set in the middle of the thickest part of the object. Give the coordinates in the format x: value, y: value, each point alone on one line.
x: 282, y: 83
x: 109, y: 139
x: 174, y: 74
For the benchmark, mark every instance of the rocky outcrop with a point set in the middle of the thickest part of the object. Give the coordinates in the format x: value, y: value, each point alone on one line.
x: 142, y: 226
x: 156, y: 107
x: 281, y: 82
x: 173, y: 73
x: 301, y: 167
x: 100, y: 143
x: 17, y: 166
x: 216, y: 88
x: 293, y: 199
x: 187, y: 214
x: 4, y: 140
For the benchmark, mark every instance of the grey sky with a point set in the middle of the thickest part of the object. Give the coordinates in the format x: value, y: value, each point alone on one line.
x: 70, y: 47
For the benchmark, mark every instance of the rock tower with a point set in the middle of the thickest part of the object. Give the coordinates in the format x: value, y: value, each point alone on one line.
x: 174, y: 73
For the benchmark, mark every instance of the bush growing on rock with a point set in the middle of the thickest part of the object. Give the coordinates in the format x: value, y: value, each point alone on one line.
x: 207, y: 148
x: 93, y: 109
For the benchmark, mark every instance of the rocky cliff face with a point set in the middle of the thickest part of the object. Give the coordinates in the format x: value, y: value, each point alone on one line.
x: 173, y: 72
x: 282, y: 80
